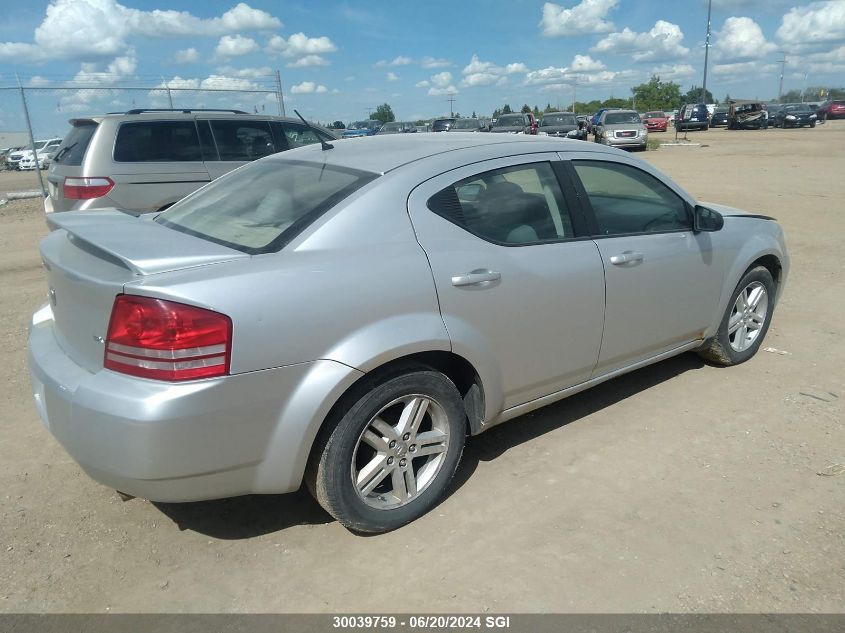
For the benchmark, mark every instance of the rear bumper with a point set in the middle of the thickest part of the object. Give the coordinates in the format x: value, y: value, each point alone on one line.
x: 206, y: 439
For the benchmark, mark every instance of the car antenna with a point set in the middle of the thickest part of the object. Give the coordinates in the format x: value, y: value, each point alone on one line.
x: 323, y: 143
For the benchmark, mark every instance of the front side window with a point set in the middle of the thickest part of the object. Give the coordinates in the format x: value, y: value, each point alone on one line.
x: 299, y: 135
x: 262, y: 207
x: 242, y: 140
x: 156, y: 142
x: 627, y: 200
x: 512, y: 206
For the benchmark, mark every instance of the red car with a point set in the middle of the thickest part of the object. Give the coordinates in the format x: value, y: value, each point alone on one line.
x: 831, y: 110
x: 656, y: 121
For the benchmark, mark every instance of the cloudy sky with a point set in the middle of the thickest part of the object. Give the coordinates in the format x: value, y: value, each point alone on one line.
x: 338, y: 58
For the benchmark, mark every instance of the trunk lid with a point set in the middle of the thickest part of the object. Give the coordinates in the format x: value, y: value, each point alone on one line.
x: 92, y: 255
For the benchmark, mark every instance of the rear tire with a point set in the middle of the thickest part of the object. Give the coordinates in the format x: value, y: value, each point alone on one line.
x: 390, y: 457
x: 745, y: 322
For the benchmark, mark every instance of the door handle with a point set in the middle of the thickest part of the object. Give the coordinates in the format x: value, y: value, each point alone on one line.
x: 626, y: 257
x: 476, y: 277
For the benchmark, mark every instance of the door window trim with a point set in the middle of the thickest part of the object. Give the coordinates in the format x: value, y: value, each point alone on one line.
x: 589, y: 212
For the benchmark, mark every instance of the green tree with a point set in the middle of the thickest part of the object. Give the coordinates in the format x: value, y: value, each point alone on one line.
x: 657, y: 95
x: 727, y: 100
x: 793, y: 96
x: 694, y: 94
x: 549, y: 108
x: 526, y: 109
x: 383, y: 113
x: 615, y: 102
x: 337, y: 125
x: 474, y: 115
x: 536, y: 111
x: 507, y: 109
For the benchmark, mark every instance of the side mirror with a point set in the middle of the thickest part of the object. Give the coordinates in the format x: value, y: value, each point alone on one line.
x: 705, y: 219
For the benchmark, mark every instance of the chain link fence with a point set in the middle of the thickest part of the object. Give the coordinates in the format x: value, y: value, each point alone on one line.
x: 30, y: 113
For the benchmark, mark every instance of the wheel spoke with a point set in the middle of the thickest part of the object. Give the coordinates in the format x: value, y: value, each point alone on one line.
x: 431, y: 443
x: 410, y: 481
x: 400, y: 489
x: 384, y: 428
x: 734, y: 322
x: 741, y: 338
x: 412, y: 415
x: 754, y: 297
x: 740, y: 302
x: 755, y: 322
x: 376, y: 441
x: 372, y: 474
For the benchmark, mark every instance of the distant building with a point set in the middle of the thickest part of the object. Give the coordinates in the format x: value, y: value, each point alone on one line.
x: 13, y: 139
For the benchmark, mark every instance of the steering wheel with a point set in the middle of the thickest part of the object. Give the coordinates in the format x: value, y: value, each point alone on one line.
x: 669, y: 219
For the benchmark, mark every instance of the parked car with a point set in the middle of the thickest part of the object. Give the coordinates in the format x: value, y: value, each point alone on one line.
x: 397, y: 127
x: 42, y: 149
x: 747, y: 115
x: 423, y: 128
x: 692, y: 116
x: 621, y: 128
x: 595, y: 118
x: 561, y: 125
x: 468, y: 124
x: 145, y: 160
x: 655, y: 121
x: 719, y: 118
x: 795, y: 115
x: 44, y: 156
x: 443, y: 125
x: 200, y: 353
x: 834, y: 109
x: 519, y: 123
x: 361, y: 128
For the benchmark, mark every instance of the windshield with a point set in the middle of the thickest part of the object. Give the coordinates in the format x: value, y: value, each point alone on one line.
x: 510, y: 120
x: 360, y: 125
x: 655, y: 115
x: 73, y: 147
x: 466, y: 124
x: 263, y: 206
x: 442, y: 124
x: 614, y: 118
x: 801, y: 107
x: 558, y: 119
x: 391, y: 127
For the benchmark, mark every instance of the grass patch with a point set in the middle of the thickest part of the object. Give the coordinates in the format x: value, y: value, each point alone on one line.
x: 652, y: 144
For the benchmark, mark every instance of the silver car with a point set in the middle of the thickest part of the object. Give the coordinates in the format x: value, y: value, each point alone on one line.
x: 621, y: 128
x: 349, y: 315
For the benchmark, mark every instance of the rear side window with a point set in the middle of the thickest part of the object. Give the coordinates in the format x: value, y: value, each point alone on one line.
x: 299, y: 135
x: 73, y: 147
x: 511, y: 206
x: 243, y: 140
x: 262, y: 207
x: 157, y: 142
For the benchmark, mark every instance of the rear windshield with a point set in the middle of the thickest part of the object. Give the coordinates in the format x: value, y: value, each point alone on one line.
x: 261, y: 207
x: 612, y: 118
x: 442, y: 124
x: 466, y: 124
x: 73, y: 147
x: 558, y: 119
x: 510, y: 120
x: 655, y: 115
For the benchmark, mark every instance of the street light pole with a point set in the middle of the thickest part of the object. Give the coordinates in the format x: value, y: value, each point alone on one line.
x: 706, y: 52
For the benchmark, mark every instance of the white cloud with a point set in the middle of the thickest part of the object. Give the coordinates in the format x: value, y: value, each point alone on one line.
x: 308, y: 87
x: 38, y: 81
x: 741, y: 39
x: 433, y: 62
x: 741, y: 71
x: 546, y: 75
x: 585, y: 63
x: 567, y: 76
x: 673, y: 71
x: 308, y: 61
x: 228, y: 83
x: 247, y: 73
x: 437, y: 92
x: 481, y: 73
x: 584, y: 18
x: 397, y: 61
x: 179, y: 82
x: 392, y: 77
x: 235, y: 46
x: 422, y: 84
x: 441, y: 84
x: 119, y: 68
x: 300, y: 45
x: 96, y: 29
x: 186, y: 56
x: 662, y: 42
x: 817, y: 23
x: 441, y: 79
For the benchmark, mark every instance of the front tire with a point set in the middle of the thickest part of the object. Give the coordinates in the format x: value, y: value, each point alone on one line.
x: 390, y: 457
x: 746, y: 320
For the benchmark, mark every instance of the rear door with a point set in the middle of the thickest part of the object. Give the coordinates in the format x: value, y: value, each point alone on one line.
x: 662, y: 279
x: 521, y: 290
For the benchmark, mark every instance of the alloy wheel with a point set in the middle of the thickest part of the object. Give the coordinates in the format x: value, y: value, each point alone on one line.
x: 748, y: 316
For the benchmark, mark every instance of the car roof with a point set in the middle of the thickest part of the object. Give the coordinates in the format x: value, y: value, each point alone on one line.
x: 381, y: 154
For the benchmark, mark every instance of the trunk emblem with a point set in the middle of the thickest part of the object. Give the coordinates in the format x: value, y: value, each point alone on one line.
x: 52, y: 297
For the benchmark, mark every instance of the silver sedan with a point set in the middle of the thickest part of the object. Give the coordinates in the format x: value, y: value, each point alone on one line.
x: 348, y: 315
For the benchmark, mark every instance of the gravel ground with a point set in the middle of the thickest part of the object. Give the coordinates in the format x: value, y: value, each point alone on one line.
x: 681, y: 487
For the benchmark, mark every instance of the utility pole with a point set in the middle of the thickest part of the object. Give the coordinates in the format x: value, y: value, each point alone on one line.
x: 706, y: 52
x: 166, y: 87
x: 574, y: 93
x: 31, y: 138
x: 280, y: 97
x: 782, y: 63
x: 451, y: 101
x: 369, y: 112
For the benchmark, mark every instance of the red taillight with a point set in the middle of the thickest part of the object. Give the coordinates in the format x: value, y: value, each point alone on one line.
x: 87, y: 188
x: 154, y: 338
